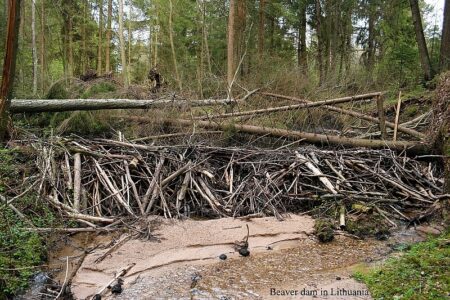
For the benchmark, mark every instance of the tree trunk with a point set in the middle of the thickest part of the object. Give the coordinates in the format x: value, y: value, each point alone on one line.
x: 84, y: 61
x: 371, y: 39
x: 239, y: 32
x: 100, y: 38
x: 156, y: 35
x: 355, y: 114
x: 108, y: 39
x: 122, y: 46
x: 172, y: 47
x: 58, y: 105
x: 42, y: 46
x: 420, y: 38
x: 319, y: 41
x: 230, y: 46
x: 9, y: 63
x: 320, y: 139
x: 70, y: 50
x: 33, y: 45
x: 130, y: 40
x: 444, y: 62
x: 261, y: 31
x: 301, y: 48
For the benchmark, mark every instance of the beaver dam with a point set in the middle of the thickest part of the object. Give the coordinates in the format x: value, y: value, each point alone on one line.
x: 208, y: 208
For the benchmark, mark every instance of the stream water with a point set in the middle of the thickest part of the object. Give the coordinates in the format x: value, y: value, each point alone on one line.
x: 286, y: 261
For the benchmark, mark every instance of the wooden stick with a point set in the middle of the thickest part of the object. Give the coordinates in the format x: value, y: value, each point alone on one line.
x: 355, y: 114
x: 284, y: 108
x: 121, y: 273
x: 342, y: 217
x: 397, y: 115
x: 381, y: 116
x: 112, y: 189
x: 171, y: 135
x: 316, y: 171
x: 77, y: 181
x: 416, y: 147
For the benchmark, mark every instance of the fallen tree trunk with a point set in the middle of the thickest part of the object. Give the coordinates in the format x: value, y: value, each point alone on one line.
x: 321, y: 139
x: 305, y: 104
x: 355, y: 114
x: 58, y: 105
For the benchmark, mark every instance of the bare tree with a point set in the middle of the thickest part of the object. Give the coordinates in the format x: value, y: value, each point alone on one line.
x: 108, y: 39
x: 230, y: 45
x: 33, y: 45
x: 172, y: 46
x: 122, y: 46
x: 100, y: 37
x: 261, y: 31
x: 420, y: 38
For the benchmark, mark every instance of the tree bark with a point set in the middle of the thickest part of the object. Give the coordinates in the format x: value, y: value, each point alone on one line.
x: 42, y: 41
x: 320, y: 139
x: 355, y: 114
x: 100, y: 38
x: 444, y: 61
x: 301, y: 48
x: 122, y: 47
x: 130, y: 40
x: 420, y: 38
x: 58, y: 105
x: 108, y: 39
x: 261, y: 31
x: 319, y: 42
x: 84, y: 61
x: 172, y: 46
x: 230, y: 46
x: 9, y: 63
x: 33, y: 45
x: 371, y: 38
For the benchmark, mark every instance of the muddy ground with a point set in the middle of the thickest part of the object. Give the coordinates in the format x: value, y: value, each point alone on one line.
x: 181, y: 261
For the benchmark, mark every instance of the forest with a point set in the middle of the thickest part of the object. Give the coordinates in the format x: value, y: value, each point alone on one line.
x: 166, y: 130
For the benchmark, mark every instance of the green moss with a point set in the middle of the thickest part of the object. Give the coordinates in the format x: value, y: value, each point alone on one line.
x: 420, y: 273
x: 411, y: 110
x: 324, y: 230
x: 367, y: 225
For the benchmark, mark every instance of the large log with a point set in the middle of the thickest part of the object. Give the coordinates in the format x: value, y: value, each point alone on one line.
x: 415, y: 147
x: 58, y: 105
x: 306, y: 104
x: 355, y: 114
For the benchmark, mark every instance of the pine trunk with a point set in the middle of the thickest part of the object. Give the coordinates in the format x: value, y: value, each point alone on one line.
x: 100, y: 38
x: 261, y: 31
x: 420, y: 38
x: 230, y: 47
x: 172, y: 46
x: 445, y: 42
x: 108, y: 39
x: 9, y: 64
x: 122, y: 46
x: 33, y: 45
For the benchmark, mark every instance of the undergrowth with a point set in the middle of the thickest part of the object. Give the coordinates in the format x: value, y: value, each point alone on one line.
x: 420, y: 273
x: 21, y: 251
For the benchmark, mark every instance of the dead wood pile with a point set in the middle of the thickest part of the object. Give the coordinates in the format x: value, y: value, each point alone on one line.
x: 97, y: 181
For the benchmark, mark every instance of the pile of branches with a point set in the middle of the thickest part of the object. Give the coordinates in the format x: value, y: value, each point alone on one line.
x: 98, y: 181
